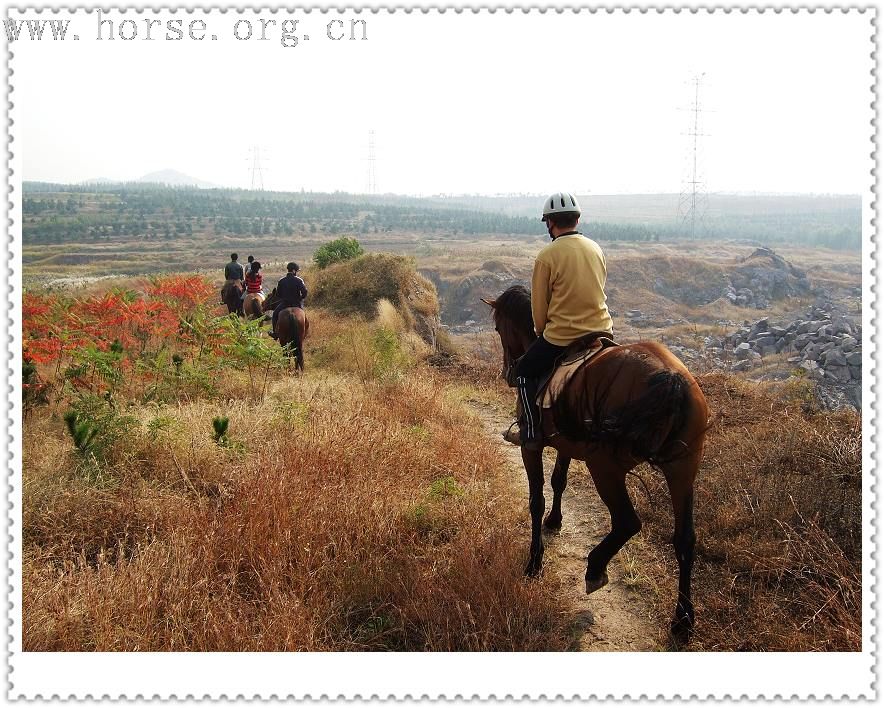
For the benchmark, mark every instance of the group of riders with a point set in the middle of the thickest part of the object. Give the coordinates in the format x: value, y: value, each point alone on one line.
x: 290, y: 291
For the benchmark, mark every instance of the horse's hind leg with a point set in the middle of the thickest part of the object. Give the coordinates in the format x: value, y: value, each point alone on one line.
x: 559, y: 481
x: 680, y: 477
x: 298, y: 344
x: 610, y: 481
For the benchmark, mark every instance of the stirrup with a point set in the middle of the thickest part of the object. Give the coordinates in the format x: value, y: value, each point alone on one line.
x: 513, y: 434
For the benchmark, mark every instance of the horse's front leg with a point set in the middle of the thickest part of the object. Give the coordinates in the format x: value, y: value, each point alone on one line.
x: 533, y: 461
x: 559, y: 481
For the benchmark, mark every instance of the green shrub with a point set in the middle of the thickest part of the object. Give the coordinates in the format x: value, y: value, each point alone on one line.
x: 220, y: 424
x: 96, y: 426
x: 83, y: 433
x: 337, y: 251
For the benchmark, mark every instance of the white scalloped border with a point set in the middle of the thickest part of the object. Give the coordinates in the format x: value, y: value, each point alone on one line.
x: 872, y: 293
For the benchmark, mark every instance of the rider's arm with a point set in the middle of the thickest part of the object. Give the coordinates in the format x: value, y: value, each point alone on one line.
x: 541, y: 291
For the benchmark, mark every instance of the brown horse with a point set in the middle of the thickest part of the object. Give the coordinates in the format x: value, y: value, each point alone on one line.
x: 231, y: 295
x: 629, y: 404
x: 252, y: 307
x: 291, y: 326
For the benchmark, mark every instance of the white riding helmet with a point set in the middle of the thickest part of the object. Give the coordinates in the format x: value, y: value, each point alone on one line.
x: 560, y: 203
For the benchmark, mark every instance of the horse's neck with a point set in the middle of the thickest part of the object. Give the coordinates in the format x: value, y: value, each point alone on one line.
x: 525, y: 342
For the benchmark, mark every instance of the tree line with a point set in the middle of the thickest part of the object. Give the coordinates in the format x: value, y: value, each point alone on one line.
x: 71, y: 213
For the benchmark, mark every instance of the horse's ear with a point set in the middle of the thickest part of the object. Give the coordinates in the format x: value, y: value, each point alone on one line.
x: 491, y: 303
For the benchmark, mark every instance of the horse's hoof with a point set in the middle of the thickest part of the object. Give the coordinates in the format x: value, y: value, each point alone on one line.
x: 534, y: 567
x: 551, y: 523
x: 593, y: 584
x: 682, y: 626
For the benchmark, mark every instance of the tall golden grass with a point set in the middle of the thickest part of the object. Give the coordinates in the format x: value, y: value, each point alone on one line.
x: 778, y: 512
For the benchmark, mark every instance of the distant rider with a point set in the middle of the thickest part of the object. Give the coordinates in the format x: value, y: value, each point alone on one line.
x: 233, y: 273
x: 292, y: 292
x: 234, y: 270
x: 567, y: 302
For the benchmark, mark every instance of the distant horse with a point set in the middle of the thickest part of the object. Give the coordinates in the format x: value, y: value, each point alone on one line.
x: 292, y: 328
x: 628, y: 404
x: 252, y: 306
x: 231, y: 295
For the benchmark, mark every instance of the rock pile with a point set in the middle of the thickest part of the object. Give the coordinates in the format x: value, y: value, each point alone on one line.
x: 826, y: 347
x: 762, y: 277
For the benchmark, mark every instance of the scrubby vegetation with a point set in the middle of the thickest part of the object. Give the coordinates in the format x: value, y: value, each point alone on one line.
x: 184, y: 491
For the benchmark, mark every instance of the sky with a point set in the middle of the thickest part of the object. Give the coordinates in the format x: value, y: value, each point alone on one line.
x: 459, y: 103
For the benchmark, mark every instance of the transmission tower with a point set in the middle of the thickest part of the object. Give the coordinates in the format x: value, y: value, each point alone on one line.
x: 693, y: 201
x: 256, y: 169
x: 372, y: 172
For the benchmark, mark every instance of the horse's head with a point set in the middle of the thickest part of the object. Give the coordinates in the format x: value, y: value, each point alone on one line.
x: 270, y: 301
x: 513, y: 323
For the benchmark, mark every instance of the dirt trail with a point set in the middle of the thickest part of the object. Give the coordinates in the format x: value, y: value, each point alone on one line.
x: 614, y: 618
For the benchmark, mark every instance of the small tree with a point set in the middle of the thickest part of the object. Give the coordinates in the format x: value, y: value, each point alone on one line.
x: 341, y: 249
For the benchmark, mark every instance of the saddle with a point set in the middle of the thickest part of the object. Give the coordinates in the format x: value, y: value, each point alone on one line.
x: 576, y: 356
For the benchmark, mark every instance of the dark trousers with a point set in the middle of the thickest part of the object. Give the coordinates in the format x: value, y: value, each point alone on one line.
x: 537, y: 361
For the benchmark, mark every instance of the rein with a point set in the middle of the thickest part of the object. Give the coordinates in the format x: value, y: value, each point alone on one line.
x: 509, y: 372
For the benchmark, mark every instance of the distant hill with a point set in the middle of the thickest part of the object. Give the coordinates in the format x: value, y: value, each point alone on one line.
x: 176, y: 179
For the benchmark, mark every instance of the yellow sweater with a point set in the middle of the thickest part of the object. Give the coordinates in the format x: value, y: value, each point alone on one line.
x: 568, y: 290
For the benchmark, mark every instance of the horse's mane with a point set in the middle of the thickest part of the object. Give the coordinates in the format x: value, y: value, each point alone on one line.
x: 514, y: 304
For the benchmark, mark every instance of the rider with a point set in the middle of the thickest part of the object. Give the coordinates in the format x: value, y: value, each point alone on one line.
x: 254, y: 280
x: 234, y: 270
x: 567, y: 303
x: 233, y: 273
x: 291, y: 291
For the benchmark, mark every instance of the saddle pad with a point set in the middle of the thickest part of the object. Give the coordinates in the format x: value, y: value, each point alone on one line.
x: 566, y: 369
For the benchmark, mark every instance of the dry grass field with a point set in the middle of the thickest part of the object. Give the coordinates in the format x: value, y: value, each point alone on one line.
x: 361, y: 506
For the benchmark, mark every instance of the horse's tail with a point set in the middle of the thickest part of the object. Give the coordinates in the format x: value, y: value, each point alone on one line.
x: 647, y: 427
x: 295, y: 328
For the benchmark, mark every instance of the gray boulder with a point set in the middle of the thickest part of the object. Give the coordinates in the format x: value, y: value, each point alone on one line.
x: 848, y: 344
x: 834, y: 358
x: 743, y: 351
